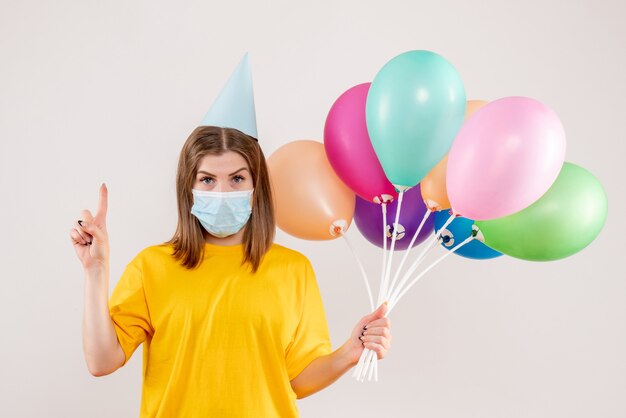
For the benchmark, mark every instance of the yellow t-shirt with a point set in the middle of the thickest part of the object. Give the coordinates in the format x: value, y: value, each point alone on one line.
x: 218, y: 340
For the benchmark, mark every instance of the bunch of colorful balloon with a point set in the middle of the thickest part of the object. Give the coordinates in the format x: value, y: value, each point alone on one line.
x: 492, y: 173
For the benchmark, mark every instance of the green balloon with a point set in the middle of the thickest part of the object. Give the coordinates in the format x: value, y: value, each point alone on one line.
x: 562, y: 222
x: 415, y: 107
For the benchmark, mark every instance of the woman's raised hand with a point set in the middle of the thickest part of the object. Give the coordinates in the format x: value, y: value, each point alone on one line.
x: 89, y: 235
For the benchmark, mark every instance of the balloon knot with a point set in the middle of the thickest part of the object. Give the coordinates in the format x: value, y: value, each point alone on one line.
x: 338, y: 228
x: 451, y: 213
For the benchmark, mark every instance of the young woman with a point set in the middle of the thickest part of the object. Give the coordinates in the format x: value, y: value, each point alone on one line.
x: 233, y: 324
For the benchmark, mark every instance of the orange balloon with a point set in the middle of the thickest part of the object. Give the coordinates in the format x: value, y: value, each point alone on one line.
x: 433, y: 185
x: 472, y: 106
x: 310, y: 201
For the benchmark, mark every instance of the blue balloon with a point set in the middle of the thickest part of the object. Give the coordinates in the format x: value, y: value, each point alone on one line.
x: 458, y: 231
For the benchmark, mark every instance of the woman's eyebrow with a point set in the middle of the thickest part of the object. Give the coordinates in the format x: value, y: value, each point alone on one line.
x: 231, y: 174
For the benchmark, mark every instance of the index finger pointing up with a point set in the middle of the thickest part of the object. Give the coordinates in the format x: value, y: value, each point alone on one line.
x: 101, y: 214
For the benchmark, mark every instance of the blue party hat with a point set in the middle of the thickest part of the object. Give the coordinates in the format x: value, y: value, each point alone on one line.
x: 234, y: 107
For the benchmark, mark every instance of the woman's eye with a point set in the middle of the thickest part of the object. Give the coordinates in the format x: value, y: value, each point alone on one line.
x: 205, y: 180
x: 238, y: 179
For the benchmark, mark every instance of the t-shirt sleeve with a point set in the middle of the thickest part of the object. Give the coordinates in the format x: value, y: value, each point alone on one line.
x: 129, y: 310
x: 311, y: 339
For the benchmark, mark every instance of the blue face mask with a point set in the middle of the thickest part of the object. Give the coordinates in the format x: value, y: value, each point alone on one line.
x: 222, y: 213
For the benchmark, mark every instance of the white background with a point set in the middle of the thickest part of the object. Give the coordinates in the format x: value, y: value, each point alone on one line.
x: 108, y: 91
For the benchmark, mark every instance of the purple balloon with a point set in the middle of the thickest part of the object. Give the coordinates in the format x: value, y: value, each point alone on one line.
x: 368, y: 218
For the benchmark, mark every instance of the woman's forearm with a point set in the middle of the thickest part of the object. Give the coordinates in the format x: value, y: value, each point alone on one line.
x: 323, y: 371
x: 102, y: 350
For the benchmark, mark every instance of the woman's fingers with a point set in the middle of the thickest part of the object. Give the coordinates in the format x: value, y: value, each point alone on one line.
x: 86, y: 215
x: 380, y: 351
x: 93, y: 231
x: 101, y: 214
x: 80, y: 231
x: 381, y: 331
x: 376, y: 339
x: 77, y: 238
x: 380, y: 322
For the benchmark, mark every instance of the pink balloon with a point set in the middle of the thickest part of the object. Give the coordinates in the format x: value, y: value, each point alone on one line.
x: 504, y: 158
x: 350, y: 151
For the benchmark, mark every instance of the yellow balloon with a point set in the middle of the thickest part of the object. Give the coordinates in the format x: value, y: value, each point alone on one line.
x: 310, y: 201
x: 433, y: 185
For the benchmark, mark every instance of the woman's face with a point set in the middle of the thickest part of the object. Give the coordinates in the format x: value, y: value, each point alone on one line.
x: 228, y: 172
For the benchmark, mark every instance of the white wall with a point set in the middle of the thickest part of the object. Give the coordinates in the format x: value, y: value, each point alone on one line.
x: 96, y: 91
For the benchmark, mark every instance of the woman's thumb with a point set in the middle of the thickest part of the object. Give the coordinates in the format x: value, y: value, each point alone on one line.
x: 380, y: 312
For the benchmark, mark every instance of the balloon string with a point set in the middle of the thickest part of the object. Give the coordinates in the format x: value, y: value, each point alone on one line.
x: 394, y: 301
x: 429, y: 246
x: 366, y: 365
x: 406, y: 254
x: 370, y: 362
x: 394, y: 234
x: 376, y: 372
x: 372, y: 365
x: 360, y: 365
x: 363, y: 273
x: 366, y: 361
x: 427, y: 249
x: 384, y: 266
x: 362, y: 369
x: 382, y: 293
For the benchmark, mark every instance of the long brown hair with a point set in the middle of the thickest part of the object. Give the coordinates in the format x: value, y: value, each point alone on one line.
x: 188, y: 240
